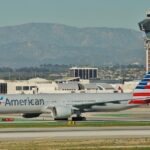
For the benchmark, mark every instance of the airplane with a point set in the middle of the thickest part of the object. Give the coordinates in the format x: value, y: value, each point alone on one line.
x: 63, y: 106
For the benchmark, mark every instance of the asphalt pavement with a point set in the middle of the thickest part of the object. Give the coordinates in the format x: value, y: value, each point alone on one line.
x: 75, y: 132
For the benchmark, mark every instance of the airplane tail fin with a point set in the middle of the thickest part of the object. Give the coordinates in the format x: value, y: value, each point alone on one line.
x: 143, y: 88
x: 141, y: 93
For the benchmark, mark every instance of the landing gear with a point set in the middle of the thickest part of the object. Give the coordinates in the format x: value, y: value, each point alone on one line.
x: 78, y: 118
x: 61, y: 119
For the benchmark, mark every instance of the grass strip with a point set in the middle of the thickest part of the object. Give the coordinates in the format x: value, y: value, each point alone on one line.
x: 43, y: 124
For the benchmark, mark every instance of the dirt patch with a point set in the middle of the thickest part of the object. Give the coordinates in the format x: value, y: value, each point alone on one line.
x: 75, y: 144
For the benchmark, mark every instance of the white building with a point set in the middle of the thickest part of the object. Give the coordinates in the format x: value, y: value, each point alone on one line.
x: 38, y: 85
x: 32, y: 86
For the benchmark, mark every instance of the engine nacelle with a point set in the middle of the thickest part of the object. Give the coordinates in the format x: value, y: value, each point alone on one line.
x: 32, y: 115
x: 61, y: 112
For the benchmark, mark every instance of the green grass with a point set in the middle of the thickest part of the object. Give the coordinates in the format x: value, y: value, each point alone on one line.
x: 43, y: 124
x: 114, y: 123
x: 25, y: 124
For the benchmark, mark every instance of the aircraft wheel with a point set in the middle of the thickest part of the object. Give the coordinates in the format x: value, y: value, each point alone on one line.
x: 78, y: 119
x: 61, y: 119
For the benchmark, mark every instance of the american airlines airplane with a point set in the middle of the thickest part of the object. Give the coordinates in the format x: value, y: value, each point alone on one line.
x: 63, y: 106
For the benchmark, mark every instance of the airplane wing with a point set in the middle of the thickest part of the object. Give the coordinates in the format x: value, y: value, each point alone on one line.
x: 89, y: 105
x: 65, y: 111
x: 133, y: 101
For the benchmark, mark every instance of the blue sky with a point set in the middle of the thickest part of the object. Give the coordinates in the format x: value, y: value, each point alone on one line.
x: 80, y: 13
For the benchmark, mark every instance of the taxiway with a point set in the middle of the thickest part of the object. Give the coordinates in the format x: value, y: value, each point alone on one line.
x: 75, y: 132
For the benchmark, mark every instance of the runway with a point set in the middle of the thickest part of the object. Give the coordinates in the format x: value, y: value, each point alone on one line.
x: 138, y: 114
x: 75, y: 132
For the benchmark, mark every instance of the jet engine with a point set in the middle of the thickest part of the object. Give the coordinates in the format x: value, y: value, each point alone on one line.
x: 31, y: 115
x: 61, y: 112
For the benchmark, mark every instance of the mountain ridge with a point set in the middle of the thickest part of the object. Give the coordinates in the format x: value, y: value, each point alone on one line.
x: 33, y: 44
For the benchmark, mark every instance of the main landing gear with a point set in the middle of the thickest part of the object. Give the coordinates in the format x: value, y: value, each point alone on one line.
x: 78, y: 118
x: 61, y: 119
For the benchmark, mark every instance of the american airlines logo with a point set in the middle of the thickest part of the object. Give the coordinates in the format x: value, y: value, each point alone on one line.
x: 24, y: 102
x: 1, y: 100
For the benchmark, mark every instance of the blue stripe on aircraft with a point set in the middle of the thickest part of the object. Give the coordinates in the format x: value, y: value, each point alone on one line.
x: 147, y: 76
x: 145, y: 80
x: 140, y: 87
x: 142, y: 83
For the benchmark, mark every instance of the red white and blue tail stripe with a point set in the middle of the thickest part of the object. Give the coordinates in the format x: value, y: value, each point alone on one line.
x: 141, y: 93
x: 143, y: 88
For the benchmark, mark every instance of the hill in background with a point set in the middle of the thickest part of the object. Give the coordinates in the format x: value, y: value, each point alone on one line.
x: 47, y: 43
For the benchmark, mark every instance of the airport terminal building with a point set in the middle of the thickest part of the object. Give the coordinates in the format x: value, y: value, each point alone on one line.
x: 39, y: 85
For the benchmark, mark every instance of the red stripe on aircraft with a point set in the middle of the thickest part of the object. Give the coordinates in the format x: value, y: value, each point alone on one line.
x: 141, y: 94
x: 147, y: 87
x: 136, y: 101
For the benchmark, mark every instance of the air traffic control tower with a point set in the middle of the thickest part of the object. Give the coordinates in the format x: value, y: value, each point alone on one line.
x: 145, y: 26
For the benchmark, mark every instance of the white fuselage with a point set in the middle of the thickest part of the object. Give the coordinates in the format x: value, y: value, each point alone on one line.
x: 36, y: 103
